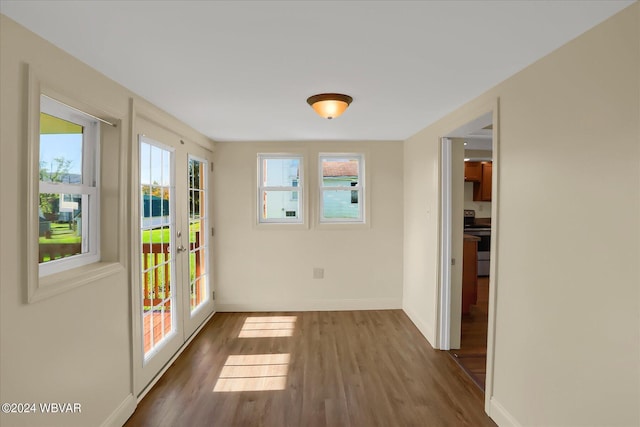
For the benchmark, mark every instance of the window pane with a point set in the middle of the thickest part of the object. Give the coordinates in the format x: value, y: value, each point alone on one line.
x: 280, y: 205
x: 196, y: 174
x: 340, y: 204
x: 158, y: 168
x: 280, y: 172
x: 197, y: 277
x: 166, y: 168
x: 61, y: 231
x: 145, y: 164
x: 60, y: 150
x: 198, y: 292
x: 195, y: 207
x: 195, y: 235
x: 340, y: 172
x: 155, y: 206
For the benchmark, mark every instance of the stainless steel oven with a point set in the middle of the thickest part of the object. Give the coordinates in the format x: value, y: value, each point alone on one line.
x: 483, y: 231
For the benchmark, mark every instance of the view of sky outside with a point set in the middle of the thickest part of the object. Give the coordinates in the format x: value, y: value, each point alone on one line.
x: 67, y: 146
x: 155, y: 165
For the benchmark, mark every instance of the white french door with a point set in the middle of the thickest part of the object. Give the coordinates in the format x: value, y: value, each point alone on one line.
x: 173, y: 291
x: 198, y: 301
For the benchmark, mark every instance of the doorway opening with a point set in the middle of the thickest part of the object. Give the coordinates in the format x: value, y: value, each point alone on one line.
x: 468, y: 227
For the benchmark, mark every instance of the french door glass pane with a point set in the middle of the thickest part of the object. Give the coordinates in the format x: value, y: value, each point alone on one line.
x: 198, y: 242
x: 156, y: 228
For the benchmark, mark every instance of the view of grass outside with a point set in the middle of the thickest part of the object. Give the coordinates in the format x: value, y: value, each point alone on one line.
x: 61, y: 233
x: 161, y: 235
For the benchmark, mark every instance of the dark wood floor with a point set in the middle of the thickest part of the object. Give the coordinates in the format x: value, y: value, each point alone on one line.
x: 472, y: 355
x: 349, y: 368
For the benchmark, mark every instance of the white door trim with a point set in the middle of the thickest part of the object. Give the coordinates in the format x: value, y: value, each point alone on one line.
x: 444, y: 336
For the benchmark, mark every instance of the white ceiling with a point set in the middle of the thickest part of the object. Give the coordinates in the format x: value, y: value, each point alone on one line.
x: 239, y: 71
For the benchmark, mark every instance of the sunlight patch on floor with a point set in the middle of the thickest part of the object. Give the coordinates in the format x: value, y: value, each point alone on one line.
x: 254, y: 372
x: 268, y: 326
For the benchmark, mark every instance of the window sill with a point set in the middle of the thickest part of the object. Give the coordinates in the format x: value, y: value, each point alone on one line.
x: 342, y: 226
x: 280, y: 226
x: 54, y: 284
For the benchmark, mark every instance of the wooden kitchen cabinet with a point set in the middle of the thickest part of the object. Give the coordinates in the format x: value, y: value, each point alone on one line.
x: 472, y: 171
x: 482, y: 188
x: 486, y: 181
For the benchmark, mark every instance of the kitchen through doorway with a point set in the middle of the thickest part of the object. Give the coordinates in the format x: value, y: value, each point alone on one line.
x: 469, y: 225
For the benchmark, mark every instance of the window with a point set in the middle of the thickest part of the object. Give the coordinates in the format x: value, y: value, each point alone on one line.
x: 341, y: 187
x: 68, y: 188
x: 280, y: 185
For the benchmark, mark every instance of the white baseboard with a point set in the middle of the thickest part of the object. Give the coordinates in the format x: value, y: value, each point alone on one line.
x: 500, y: 415
x: 122, y: 413
x: 425, y: 329
x: 311, y: 305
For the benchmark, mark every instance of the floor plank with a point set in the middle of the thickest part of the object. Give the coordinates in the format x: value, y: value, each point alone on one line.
x: 347, y: 368
x: 472, y: 354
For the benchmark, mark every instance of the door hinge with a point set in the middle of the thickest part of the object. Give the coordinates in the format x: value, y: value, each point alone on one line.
x: 211, y: 166
x: 213, y: 231
x: 213, y: 295
x: 453, y: 261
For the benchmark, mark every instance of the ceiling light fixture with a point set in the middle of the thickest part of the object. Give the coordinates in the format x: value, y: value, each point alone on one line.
x: 329, y: 105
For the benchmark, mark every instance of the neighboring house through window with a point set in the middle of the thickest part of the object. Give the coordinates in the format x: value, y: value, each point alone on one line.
x: 341, y: 188
x: 280, y: 186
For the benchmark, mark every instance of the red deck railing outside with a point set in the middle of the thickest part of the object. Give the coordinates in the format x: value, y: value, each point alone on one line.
x: 156, y: 288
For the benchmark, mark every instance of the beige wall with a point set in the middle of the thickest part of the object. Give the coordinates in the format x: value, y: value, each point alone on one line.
x: 421, y: 215
x: 567, y: 336
x: 74, y: 346
x: 270, y: 267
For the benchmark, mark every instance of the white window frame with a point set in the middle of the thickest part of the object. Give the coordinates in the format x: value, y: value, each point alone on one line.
x: 360, y: 188
x: 89, y: 188
x: 262, y: 188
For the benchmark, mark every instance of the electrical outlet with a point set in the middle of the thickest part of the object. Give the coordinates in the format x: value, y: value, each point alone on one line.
x: 318, y: 273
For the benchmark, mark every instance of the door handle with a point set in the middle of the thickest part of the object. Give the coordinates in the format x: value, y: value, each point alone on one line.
x: 180, y: 249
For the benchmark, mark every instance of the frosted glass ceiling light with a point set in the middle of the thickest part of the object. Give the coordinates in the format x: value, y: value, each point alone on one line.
x: 329, y: 105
